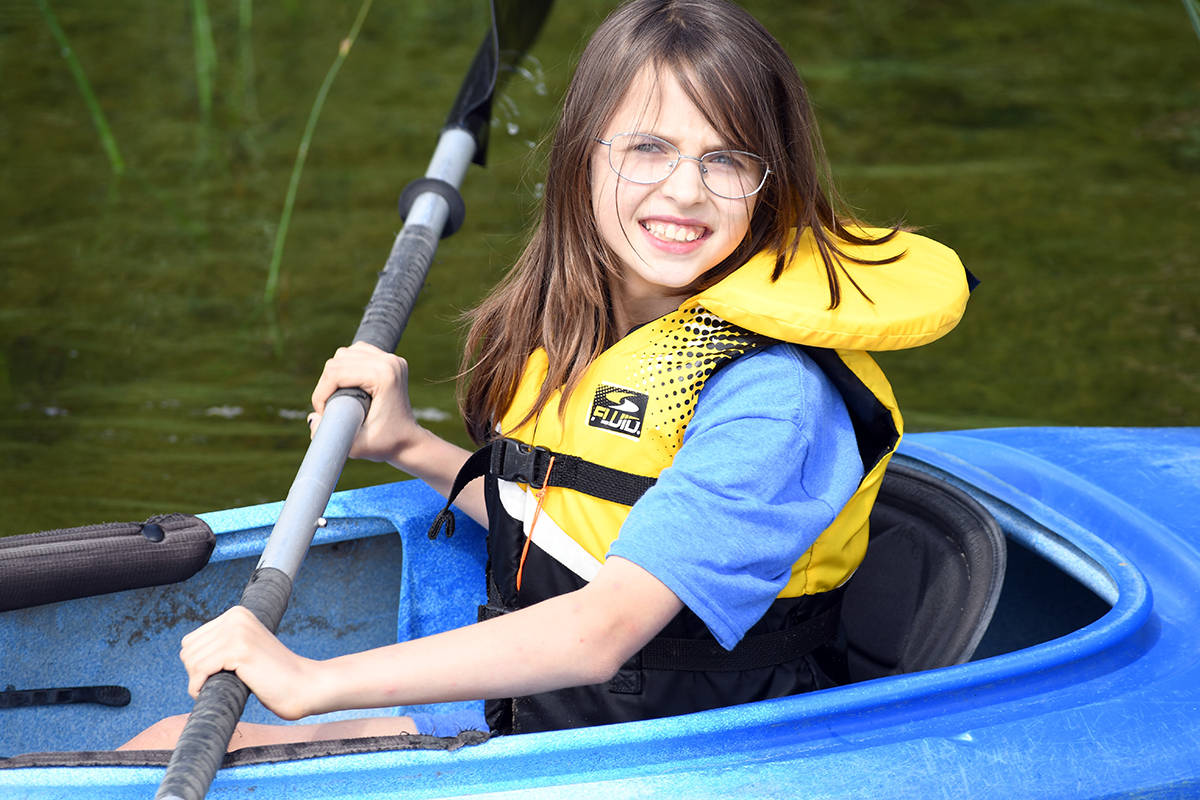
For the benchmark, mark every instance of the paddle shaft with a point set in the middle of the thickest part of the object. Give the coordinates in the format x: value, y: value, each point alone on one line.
x: 382, y: 324
x: 219, y: 706
x: 431, y: 207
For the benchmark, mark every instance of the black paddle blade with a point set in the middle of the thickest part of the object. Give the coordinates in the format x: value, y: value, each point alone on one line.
x: 515, y: 24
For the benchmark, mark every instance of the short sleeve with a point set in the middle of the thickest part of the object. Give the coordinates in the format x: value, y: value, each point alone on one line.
x: 766, y: 463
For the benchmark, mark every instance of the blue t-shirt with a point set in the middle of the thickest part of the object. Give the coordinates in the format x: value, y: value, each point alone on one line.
x: 766, y: 463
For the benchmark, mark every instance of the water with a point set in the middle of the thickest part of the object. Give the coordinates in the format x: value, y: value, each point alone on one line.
x: 140, y: 371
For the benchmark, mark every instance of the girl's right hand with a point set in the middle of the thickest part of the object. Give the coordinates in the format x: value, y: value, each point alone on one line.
x: 390, y: 427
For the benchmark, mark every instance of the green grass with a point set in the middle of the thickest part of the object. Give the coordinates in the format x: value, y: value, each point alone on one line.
x: 107, y: 140
x: 1055, y: 144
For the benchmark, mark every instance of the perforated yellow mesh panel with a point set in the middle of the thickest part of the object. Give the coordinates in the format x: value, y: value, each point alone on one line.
x: 693, y: 343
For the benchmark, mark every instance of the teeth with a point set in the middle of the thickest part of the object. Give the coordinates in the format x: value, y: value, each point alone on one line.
x: 673, y: 233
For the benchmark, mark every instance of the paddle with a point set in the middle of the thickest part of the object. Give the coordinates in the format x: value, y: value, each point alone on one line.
x: 432, y: 208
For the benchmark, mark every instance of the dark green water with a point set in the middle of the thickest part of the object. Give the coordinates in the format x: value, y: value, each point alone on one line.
x: 1054, y: 144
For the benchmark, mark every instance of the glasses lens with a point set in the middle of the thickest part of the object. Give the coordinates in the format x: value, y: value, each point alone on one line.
x: 642, y: 158
x: 732, y: 173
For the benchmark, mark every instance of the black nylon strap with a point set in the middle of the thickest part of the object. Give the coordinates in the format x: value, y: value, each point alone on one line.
x: 511, y: 460
x: 474, y: 467
x: 103, y: 695
x: 516, y: 461
x: 572, y: 472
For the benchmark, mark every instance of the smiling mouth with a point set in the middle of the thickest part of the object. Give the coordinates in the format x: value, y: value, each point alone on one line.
x: 670, y: 232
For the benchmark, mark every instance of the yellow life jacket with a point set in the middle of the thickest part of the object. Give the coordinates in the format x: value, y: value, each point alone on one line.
x: 623, y: 425
x: 634, y: 402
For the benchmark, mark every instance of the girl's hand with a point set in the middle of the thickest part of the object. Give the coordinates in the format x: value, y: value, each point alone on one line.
x: 236, y: 641
x: 390, y: 427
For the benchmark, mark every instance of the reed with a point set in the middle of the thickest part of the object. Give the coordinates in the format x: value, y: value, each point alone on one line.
x: 247, y: 100
x: 302, y: 153
x: 107, y: 139
x: 1193, y: 12
x: 206, y: 57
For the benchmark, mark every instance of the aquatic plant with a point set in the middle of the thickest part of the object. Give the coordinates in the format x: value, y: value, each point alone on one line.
x: 85, y: 88
x: 1193, y: 12
x: 206, y: 57
x: 302, y: 153
x: 247, y: 101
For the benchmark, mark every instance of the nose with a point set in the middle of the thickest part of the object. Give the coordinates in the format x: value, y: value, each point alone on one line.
x: 685, y: 184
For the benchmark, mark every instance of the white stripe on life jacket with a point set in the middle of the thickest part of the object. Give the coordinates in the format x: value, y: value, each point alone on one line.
x: 520, y: 504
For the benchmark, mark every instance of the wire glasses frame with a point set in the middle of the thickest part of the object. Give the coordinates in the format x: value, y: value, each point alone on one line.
x: 645, y: 158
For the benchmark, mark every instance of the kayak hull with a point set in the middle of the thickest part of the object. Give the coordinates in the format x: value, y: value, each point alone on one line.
x: 1111, y: 707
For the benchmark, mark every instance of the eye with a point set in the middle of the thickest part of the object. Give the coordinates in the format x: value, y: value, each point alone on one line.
x: 647, y: 145
x: 725, y: 158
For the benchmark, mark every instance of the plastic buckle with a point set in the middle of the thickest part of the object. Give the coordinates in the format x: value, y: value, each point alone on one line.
x: 520, y: 462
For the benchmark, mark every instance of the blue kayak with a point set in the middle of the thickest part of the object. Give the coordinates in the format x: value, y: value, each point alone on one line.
x: 1083, y: 680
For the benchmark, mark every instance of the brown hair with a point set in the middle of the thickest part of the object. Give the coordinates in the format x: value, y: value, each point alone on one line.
x: 557, y: 295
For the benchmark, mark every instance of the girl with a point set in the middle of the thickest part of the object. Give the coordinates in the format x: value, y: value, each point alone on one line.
x: 683, y: 434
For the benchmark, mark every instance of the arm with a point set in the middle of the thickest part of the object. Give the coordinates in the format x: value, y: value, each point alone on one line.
x: 767, y: 461
x: 575, y: 639
x: 390, y: 432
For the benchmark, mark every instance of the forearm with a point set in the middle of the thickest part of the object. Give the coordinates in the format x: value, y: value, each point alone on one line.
x: 575, y: 639
x: 571, y: 640
x: 518, y: 654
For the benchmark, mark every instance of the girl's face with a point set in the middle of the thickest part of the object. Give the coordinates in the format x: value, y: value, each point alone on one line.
x: 669, y: 233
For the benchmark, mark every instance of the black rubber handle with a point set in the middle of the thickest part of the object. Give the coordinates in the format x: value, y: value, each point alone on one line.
x: 397, y: 288
x: 201, y: 747
x: 395, y: 295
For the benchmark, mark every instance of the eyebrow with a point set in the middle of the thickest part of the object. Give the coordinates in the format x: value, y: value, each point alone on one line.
x: 710, y: 148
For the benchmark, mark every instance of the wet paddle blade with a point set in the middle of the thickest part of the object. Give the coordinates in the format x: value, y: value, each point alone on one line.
x: 516, y: 24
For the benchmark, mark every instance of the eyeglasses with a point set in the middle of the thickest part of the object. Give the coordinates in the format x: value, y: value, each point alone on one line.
x: 645, y: 158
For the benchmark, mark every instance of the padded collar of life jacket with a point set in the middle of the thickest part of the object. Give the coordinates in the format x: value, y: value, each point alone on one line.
x: 912, y: 301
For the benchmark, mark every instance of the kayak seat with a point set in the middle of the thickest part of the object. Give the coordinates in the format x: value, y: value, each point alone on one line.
x: 926, y: 591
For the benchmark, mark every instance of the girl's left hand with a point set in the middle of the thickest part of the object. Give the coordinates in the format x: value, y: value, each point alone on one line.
x: 236, y: 641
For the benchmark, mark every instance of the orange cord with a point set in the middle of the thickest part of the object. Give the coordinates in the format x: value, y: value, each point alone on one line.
x: 540, y: 494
